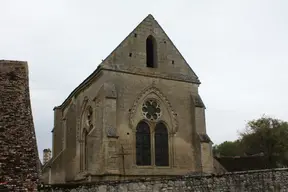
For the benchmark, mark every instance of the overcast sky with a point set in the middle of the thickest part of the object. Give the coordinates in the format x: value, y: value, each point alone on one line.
x: 238, y: 48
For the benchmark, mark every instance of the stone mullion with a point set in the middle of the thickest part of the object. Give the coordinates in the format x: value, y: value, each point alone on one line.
x: 152, y: 138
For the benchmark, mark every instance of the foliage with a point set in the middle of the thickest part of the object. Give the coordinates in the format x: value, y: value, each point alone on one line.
x: 266, y: 136
x: 228, y: 148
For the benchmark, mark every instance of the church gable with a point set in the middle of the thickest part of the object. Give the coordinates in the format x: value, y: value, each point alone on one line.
x: 147, y: 50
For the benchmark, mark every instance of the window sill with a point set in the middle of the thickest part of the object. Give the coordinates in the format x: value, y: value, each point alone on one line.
x: 151, y: 167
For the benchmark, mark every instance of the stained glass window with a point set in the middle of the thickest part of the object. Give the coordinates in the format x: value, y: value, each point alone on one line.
x: 151, y: 109
x: 161, y: 145
x: 143, y: 144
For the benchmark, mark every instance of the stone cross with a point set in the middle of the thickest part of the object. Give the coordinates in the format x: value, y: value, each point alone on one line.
x: 122, y: 154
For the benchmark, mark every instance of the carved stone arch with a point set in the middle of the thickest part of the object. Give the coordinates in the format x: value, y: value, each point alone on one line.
x: 148, y: 91
x: 84, y: 129
x: 80, y: 125
x: 148, y: 123
x: 163, y: 122
x: 79, y: 118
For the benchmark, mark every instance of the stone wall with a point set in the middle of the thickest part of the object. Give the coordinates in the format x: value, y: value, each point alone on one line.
x: 19, y: 161
x: 263, y: 180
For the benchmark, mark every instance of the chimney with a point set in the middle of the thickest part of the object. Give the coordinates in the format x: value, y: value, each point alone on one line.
x: 46, y: 155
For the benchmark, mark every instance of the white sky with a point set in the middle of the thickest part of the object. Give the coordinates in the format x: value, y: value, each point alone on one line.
x: 239, y: 50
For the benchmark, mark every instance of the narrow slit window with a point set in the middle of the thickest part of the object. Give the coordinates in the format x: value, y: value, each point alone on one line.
x: 151, y: 53
x: 84, y: 151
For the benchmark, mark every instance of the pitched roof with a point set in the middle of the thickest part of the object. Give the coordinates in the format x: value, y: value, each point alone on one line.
x: 119, y: 60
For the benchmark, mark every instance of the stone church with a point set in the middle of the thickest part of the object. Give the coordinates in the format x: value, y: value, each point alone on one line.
x: 139, y: 114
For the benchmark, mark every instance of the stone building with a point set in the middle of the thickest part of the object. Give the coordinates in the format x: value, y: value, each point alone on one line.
x: 139, y: 114
x: 19, y: 160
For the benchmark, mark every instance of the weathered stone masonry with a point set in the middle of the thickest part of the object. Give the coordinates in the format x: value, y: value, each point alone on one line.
x: 253, y: 181
x: 18, y: 149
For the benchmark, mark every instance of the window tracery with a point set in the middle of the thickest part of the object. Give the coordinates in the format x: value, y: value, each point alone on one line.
x: 89, y: 117
x: 87, y: 120
x: 158, y: 138
x: 151, y: 109
x: 144, y: 144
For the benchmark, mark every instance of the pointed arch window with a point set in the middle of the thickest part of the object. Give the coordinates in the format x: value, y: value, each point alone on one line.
x: 161, y: 145
x: 151, y: 52
x: 143, y: 144
x: 84, y: 149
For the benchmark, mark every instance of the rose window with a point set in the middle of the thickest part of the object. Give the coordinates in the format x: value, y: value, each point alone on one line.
x: 151, y: 109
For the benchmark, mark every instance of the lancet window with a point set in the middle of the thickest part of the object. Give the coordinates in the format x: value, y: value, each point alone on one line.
x: 143, y: 144
x: 152, y: 134
x: 161, y: 145
x: 87, y: 126
x: 151, y: 52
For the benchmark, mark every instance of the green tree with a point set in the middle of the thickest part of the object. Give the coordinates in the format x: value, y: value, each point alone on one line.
x: 268, y: 136
x: 228, y: 148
